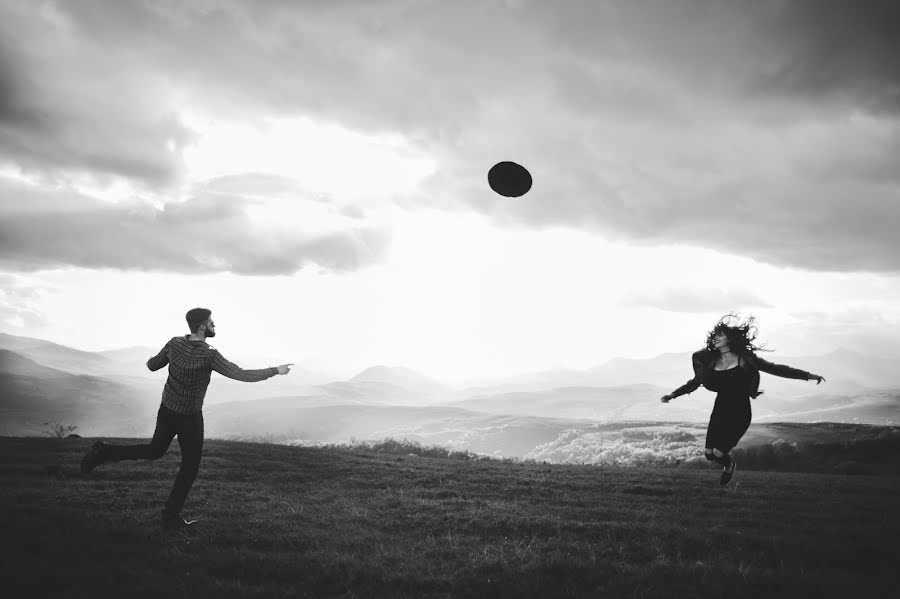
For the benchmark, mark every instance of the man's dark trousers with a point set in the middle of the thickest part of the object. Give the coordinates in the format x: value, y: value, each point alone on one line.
x: 189, y: 428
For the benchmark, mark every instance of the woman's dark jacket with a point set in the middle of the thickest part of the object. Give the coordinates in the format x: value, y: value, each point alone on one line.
x: 705, y: 359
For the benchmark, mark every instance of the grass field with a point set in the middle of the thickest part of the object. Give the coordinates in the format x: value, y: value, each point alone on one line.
x: 278, y: 521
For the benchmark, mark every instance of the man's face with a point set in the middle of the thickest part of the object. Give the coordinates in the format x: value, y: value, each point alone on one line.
x: 210, y: 327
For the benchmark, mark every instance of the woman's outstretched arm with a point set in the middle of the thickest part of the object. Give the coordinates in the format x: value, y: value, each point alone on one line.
x: 787, y: 372
x: 686, y: 388
x: 698, y: 362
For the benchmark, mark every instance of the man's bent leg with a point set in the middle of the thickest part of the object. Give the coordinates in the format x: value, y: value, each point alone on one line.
x: 190, y: 439
x: 166, y: 422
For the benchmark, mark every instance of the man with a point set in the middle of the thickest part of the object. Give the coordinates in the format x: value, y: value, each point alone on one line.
x: 191, y: 361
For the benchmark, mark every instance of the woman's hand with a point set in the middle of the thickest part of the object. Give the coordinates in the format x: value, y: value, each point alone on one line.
x: 815, y: 377
x: 284, y: 368
x: 667, y: 398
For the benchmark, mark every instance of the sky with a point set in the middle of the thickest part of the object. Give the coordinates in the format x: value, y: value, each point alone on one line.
x: 316, y: 174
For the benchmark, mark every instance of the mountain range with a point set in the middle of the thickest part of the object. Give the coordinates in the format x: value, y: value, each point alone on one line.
x: 112, y: 393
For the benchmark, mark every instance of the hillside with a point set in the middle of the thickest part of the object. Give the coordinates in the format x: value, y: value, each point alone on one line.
x: 574, y: 402
x: 13, y: 363
x: 280, y: 521
x: 397, y: 375
x: 291, y: 419
x: 32, y: 394
x: 559, y: 425
x: 519, y: 418
x: 58, y: 356
x: 129, y: 363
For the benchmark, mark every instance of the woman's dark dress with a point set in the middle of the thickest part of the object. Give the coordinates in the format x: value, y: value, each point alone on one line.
x: 731, y: 415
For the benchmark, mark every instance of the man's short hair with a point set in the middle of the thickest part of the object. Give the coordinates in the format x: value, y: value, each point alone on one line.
x: 197, y: 316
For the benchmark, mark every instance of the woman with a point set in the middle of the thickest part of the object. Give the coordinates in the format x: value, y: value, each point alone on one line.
x: 730, y: 367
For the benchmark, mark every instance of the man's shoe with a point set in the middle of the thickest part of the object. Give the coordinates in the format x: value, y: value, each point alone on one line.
x: 728, y: 473
x: 175, y: 523
x: 92, y: 458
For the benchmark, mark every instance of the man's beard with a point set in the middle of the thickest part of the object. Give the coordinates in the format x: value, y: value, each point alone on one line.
x: 210, y: 333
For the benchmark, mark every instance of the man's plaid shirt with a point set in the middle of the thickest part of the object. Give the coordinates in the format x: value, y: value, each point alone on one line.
x: 190, y: 366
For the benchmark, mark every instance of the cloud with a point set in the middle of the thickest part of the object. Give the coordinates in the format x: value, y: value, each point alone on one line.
x: 837, y: 49
x: 869, y: 329
x: 697, y: 300
x: 18, y: 296
x: 768, y: 129
x: 43, y: 229
x: 691, y: 140
x: 68, y: 103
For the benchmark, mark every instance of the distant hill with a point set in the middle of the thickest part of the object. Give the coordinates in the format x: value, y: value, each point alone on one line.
x: 845, y: 371
x: 575, y: 402
x: 641, y: 402
x: 38, y: 384
x: 32, y: 394
x: 870, y: 407
x: 399, y: 376
x: 58, y: 356
x: 382, y: 385
x: 663, y: 370
x: 137, y: 354
x: 665, y: 440
x: 128, y: 364
x: 17, y: 364
x: 293, y: 418
x: 369, y: 392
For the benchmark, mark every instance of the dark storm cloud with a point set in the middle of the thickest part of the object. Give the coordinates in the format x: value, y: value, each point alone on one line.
x: 764, y: 128
x: 202, y: 235
x: 11, y: 106
x: 96, y: 66
x: 69, y: 103
x: 436, y: 66
x: 834, y: 47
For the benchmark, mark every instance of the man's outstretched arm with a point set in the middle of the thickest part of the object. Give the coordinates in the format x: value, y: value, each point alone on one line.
x: 160, y: 359
x: 233, y: 371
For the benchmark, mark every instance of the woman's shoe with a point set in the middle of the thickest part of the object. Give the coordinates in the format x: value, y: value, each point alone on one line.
x: 728, y: 473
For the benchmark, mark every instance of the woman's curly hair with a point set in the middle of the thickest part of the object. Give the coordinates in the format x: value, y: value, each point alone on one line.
x: 741, y: 334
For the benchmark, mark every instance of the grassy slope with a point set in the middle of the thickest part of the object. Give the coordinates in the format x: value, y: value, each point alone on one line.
x: 321, y: 522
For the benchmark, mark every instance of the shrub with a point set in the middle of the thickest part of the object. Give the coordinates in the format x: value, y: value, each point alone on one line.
x: 406, y: 447
x: 59, y: 430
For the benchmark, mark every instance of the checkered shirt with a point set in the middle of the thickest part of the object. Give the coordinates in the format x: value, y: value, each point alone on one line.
x: 190, y: 366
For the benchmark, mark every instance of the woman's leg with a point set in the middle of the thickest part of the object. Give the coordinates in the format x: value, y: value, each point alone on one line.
x: 722, y: 456
x: 737, y: 426
x: 716, y: 432
x: 734, y: 430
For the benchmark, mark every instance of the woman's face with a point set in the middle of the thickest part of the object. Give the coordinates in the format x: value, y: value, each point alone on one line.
x: 720, y: 340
